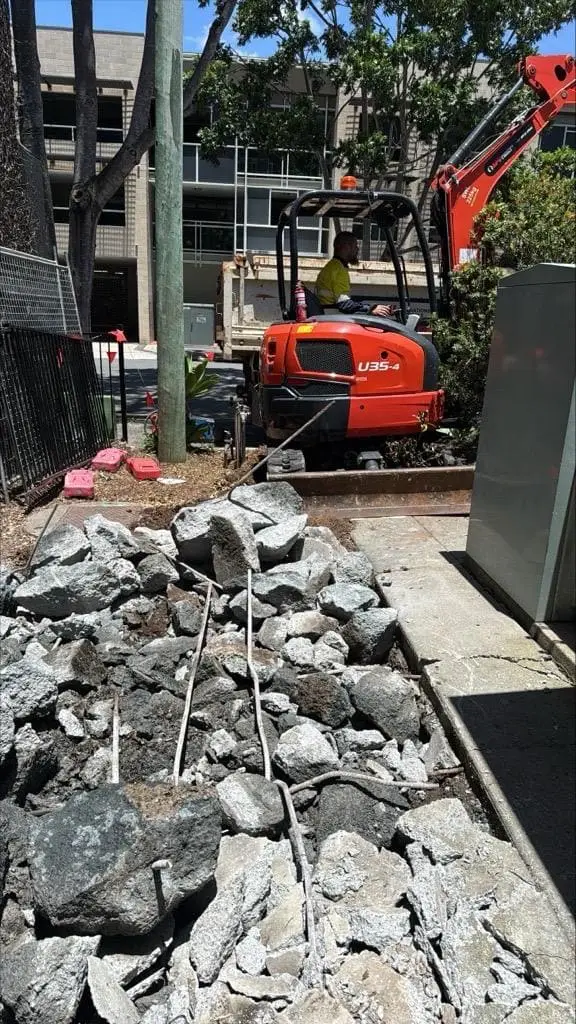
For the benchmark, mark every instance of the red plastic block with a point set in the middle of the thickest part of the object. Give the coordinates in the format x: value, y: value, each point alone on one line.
x: 143, y: 467
x: 79, y: 483
x: 109, y: 460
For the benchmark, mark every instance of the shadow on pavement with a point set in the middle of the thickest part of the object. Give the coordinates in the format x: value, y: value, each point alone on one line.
x: 528, y: 741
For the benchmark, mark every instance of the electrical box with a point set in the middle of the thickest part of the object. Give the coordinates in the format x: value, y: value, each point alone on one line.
x: 521, y: 533
x: 199, y: 326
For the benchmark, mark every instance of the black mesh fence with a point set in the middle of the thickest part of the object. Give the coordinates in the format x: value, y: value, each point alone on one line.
x: 51, y: 411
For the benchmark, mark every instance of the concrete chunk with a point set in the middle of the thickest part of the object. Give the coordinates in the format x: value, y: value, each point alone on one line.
x: 233, y: 545
x: 389, y: 701
x: 343, y: 599
x: 302, y: 752
x: 275, y: 542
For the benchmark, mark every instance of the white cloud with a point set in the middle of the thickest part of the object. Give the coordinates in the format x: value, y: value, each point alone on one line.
x: 198, y: 42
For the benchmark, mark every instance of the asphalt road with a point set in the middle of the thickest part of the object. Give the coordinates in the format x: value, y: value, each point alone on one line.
x: 142, y: 377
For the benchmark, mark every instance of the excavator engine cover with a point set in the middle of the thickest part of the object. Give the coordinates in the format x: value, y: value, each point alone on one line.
x: 381, y: 376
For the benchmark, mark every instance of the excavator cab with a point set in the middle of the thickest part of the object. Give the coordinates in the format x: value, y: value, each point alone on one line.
x: 372, y: 376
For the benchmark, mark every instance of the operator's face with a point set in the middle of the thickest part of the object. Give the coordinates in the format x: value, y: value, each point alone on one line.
x: 350, y: 250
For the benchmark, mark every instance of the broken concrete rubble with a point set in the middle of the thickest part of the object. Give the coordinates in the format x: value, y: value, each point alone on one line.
x: 419, y: 912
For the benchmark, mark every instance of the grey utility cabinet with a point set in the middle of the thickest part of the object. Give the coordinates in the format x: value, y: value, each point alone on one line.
x: 521, y: 533
x: 199, y: 326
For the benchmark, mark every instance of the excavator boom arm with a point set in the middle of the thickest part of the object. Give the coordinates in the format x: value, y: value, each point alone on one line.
x: 462, y: 192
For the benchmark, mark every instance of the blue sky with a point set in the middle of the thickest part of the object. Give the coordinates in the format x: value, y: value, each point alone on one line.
x: 129, y: 16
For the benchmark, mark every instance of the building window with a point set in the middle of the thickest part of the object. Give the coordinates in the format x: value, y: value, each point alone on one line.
x: 59, y: 112
x: 113, y: 214
x: 558, y: 134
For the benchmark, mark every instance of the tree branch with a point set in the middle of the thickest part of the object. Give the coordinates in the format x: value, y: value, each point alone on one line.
x: 218, y: 26
x: 30, y: 105
x: 86, y: 97
x: 140, y: 136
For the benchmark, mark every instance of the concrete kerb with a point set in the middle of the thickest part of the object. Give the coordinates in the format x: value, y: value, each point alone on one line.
x: 482, y: 776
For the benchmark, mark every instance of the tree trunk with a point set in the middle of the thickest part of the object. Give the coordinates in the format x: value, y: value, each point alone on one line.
x: 84, y: 211
x: 32, y: 118
x: 84, y: 216
x: 169, y: 256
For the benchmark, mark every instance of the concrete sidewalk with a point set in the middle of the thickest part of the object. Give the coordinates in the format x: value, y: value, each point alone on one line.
x: 509, y: 709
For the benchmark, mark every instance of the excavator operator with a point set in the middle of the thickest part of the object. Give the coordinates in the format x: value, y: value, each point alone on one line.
x: 333, y: 281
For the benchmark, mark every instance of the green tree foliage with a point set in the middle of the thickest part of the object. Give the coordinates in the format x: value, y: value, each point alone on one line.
x: 532, y: 221
x: 423, y: 70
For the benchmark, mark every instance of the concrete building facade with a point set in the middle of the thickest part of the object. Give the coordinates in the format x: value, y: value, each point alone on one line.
x: 229, y: 207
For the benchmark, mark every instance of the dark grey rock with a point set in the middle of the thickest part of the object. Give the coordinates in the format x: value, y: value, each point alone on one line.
x: 273, y: 633
x: 285, y: 680
x: 277, y: 502
x: 110, y: 540
x: 10, y: 652
x: 29, y: 689
x: 233, y: 545
x: 260, y: 610
x: 156, y: 572
x: 389, y: 701
x: 109, y: 999
x: 186, y: 618
x: 439, y: 753
x: 311, y: 624
x: 156, y: 540
x: 7, y: 729
x: 76, y: 665
x: 64, y: 545
x: 370, y: 811
x: 191, y: 527
x: 343, y: 599
x: 36, y: 761
x: 44, y: 981
x: 91, y: 860
x: 213, y: 690
x: 275, y: 542
x: 354, y: 567
x: 59, y: 591
x: 126, y: 574
x: 299, y: 651
x: 216, y: 931
x: 370, y: 634
x: 171, y: 647
x: 9, y: 581
x: 303, y: 752
x: 287, y: 591
x: 250, y: 804
x: 313, y: 572
x: 324, y: 698
x: 80, y: 627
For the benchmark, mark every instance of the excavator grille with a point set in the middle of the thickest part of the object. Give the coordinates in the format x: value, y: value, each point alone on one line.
x: 325, y: 357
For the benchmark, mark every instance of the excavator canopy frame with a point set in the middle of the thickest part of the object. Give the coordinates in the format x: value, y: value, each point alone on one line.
x: 383, y: 208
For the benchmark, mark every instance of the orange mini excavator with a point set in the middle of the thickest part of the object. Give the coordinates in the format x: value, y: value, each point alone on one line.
x: 358, y: 377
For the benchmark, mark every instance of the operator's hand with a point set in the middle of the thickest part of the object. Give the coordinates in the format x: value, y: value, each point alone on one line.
x: 382, y: 311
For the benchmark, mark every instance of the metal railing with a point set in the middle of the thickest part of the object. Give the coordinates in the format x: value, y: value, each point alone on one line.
x: 51, y: 410
x: 60, y: 141
x: 36, y: 293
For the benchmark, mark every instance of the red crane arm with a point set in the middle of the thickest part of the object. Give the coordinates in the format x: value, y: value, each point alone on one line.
x: 462, y: 192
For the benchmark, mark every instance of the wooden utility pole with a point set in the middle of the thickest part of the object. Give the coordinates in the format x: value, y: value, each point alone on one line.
x: 168, y: 219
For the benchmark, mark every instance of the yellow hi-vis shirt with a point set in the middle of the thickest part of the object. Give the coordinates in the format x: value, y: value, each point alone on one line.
x: 333, y: 283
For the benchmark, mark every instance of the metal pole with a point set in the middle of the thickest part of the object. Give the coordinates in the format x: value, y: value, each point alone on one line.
x: 169, y: 255
x: 60, y: 296
x: 122, y: 383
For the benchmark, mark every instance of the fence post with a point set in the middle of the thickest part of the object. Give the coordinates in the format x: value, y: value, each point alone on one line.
x: 60, y: 295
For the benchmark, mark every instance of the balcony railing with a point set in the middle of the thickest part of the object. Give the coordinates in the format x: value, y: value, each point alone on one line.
x: 283, y: 170
x: 60, y: 142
